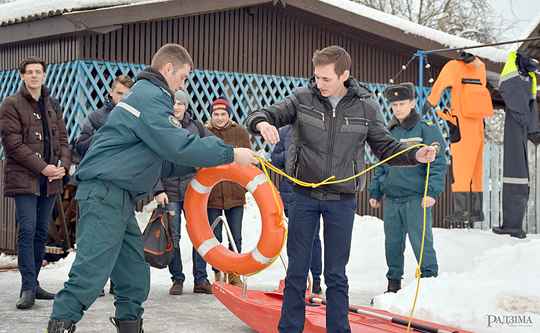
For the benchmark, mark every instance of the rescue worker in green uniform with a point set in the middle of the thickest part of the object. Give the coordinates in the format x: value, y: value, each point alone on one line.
x: 404, y: 188
x: 140, y: 142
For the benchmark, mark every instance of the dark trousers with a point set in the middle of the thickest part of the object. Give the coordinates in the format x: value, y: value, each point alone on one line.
x: 400, y: 219
x: 175, y: 266
x: 33, y: 215
x: 338, y: 217
x: 316, y: 253
x: 234, y: 218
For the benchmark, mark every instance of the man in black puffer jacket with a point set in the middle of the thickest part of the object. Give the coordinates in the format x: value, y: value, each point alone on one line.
x: 170, y: 192
x: 331, y: 120
x: 96, y: 119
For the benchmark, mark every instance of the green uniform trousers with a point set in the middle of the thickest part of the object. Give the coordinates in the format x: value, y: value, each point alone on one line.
x: 400, y: 219
x: 109, y: 244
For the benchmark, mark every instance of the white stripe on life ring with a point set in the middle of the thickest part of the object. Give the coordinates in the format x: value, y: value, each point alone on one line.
x: 258, y: 180
x: 199, y: 187
x: 207, y: 245
x: 259, y: 257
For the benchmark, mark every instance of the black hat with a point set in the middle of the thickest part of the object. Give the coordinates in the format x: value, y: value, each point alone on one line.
x: 399, y: 92
x: 220, y: 104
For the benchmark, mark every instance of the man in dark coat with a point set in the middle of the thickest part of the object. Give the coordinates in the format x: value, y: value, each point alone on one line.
x: 170, y: 192
x: 97, y: 118
x: 332, y: 118
x: 37, y: 157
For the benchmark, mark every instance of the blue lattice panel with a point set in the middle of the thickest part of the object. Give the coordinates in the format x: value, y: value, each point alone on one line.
x: 82, y: 86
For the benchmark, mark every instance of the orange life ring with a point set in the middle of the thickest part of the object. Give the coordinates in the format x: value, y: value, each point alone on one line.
x: 201, y: 235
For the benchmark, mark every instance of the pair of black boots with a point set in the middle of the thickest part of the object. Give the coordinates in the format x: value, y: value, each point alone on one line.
x: 122, y: 326
x: 462, y: 212
x: 28, y: 298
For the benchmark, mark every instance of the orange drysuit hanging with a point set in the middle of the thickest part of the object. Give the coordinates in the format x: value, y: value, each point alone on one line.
x: 471, y: 102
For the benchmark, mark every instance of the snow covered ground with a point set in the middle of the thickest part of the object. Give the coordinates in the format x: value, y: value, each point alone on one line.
x: 486, y: 283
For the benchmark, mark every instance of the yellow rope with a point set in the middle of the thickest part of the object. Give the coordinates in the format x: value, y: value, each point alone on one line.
x: 418, y: 273
x: 265, y: 164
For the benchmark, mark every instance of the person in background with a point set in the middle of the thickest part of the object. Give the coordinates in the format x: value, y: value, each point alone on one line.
x: 279, y: 157
x: 405, y: 187
x: 227, y: 197
x: 37, y: 157
x: 170, y: 192
x: 332, y: 119
x: 140, y: 142
x: 96, y: 119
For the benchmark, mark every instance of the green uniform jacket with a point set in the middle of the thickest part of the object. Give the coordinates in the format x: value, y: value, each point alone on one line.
x: 142, y: 141
x: 407, y: 183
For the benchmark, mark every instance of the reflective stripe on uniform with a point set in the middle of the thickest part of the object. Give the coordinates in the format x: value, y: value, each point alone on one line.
x: 512, y: 180
x: 129, y: 108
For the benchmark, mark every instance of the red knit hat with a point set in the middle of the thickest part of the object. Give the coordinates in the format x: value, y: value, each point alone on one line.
x: 220, y: 104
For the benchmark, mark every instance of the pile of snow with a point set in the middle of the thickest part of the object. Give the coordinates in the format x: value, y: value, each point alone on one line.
x: 481, y: 275
x: 485, y: 283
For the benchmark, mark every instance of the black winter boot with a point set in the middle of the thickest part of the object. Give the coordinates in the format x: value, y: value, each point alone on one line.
x: 477, y: 214
x: 128, y: 326
x: 513, y: 213
x: 27, y: 300
x: 42, y: 294
x: 393, y: 286
x: 461, y: 208
x: 61, y: 326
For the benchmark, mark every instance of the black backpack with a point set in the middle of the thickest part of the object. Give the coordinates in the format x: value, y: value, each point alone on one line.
x: 158, y: 243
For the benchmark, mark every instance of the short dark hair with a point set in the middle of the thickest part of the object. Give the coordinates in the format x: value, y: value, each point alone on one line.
x: 31, y: 60
x: 124, y: 80
x: 333, y: 55
x: 175, y: 54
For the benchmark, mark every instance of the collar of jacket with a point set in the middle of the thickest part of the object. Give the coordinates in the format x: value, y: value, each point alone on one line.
x: 45, y: 92
x: 152, y: 74
x: 353, y: 88
x: 408, y: 123
x: 227, y: 127
x: 188, y: 117
x: 109, y: 104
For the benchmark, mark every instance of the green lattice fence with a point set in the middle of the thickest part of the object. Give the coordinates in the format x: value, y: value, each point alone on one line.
x: 81, y: 87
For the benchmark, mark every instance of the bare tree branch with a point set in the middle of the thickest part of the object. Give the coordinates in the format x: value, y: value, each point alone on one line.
x: 473, y: 19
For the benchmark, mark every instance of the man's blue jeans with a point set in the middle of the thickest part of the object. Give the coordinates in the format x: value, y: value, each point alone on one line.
x: 234, y: 218
x: 316, y: 254
x: 338, y: 217
x: 33, y: 216
x: 175, y: 266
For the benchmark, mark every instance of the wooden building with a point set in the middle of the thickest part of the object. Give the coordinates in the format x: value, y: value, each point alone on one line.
x: 254, y: 51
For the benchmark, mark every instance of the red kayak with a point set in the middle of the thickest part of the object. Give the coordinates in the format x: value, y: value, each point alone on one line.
x: 261, y: 311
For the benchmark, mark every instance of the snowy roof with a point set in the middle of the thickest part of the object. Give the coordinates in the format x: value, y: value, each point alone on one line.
x: 27, y: 10
x: 20, y: 11
x: 409, y: 27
